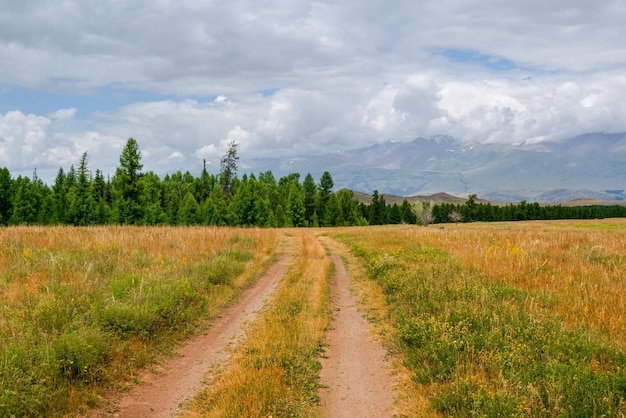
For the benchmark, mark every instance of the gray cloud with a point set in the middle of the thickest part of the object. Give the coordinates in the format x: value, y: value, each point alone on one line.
x: 292, y: 77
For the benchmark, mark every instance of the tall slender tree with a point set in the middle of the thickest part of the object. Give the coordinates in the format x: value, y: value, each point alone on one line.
x: 126, y: 187
x: 295, y: 206
x: 377, y: 210
x: 5, y: 196
x: 310, y: 191
x: 24, y: 202
x: 152, y: 199
x: 82, y: 204
x: 325, y: 190
x: 228, y: 172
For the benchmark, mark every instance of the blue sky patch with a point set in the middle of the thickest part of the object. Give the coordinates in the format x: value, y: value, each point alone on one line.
x: 469, y: 56
x: 40, y: 102
x: 269, y: 92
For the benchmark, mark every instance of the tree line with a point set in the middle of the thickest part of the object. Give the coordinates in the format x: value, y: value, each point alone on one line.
x: 133, y: 197
x: 472, y: 211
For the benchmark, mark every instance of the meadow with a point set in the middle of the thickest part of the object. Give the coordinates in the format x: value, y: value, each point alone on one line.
x: 84, y: 309
x: 482, y: 319
x: 504, y: 319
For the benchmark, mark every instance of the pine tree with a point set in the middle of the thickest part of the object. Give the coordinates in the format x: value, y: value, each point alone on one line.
x: 394, y: 215
x: 263, y: 210
x: 349, y: 207
x: 377, y: 210
x: 325, y: 190
x: 268, y: 188
x: 152, y: 200
x: 219, y: 205
x: 126, y: 187
x: 333, y: 215
x: 59, y: 192
x: 24, y: 203
x: 189, y: 212
x: 101, y: 194
x: 204, y: 185
x: 5, y: 196
x: 310, y: 192
x: 407, y: 213
x: 82, y: 205
x: 295, y: 208
x: 241, y: 207
x: 280, y: 217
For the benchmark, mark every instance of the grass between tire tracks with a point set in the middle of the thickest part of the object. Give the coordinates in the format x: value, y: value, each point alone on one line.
x: 520, y: 319
x: 275, y: 369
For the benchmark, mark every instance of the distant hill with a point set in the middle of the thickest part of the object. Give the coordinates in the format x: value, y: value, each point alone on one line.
x: 439, y: 198
x: 589, y: 166
x: 436, y: 198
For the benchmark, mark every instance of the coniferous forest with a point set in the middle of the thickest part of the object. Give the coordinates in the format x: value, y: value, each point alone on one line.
x: 134, y: 197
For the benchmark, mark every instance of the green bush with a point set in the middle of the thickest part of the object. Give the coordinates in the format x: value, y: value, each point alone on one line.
x: 82, y: 354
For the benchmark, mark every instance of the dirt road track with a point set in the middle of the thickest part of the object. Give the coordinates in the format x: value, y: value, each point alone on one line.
x: 160, y: 394
x: 354, y: 371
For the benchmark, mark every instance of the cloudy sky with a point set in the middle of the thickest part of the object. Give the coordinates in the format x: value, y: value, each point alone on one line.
x: 284, y: 77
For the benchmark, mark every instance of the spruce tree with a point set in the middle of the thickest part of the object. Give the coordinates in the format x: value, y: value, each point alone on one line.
x: 24, y: 203
x: 82, y: 205
x: 310, y: 191
x: 126, y: 187
x: 325, y: 190
x: 295, y: 207
x: 5, y: 195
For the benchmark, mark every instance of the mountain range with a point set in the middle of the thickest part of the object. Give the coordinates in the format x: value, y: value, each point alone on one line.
x: 591, y: 166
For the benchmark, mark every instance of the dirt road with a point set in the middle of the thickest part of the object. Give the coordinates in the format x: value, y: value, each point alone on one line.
x: 354, y: 371
x: 160, y: 394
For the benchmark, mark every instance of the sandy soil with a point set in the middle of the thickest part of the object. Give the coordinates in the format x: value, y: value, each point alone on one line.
x: 178, y: 378
x: 354, y: 371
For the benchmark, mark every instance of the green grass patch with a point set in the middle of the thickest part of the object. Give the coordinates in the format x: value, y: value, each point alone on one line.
x: 485, y: 348
x: 78, y: 318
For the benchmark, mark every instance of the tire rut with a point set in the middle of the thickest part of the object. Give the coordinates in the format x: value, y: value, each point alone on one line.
x: 177, y: 379
x: 354, y: 375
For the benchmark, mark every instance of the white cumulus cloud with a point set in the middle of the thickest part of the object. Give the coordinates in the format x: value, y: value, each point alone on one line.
x: 288, y: 77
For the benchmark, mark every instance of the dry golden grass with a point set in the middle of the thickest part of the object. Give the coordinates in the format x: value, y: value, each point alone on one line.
x: 581, y: 262
x: 60, y: 285
x: 497, y: 318
x: 572, y: 270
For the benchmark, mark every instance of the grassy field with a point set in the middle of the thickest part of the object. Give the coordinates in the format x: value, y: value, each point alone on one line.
x: 503, y: 319
x: 82, y: 309
x: 510, y: 319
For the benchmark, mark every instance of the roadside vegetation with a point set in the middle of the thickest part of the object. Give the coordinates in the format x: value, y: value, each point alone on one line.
x: 504, y: 319
x: 275, y: 369
x: 83, y: 309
